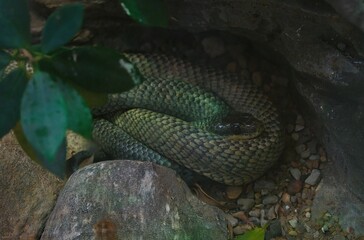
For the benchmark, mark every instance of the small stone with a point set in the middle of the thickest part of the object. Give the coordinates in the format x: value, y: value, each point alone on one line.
x: 246, y: 204
x: 264, y: 192
x: 312, y: 164
x: 292, y: 233
x: 316, y: 234
x: 286, y: 198
x: 308, y: 215
x: 257, y: 79
x: 299, y: 128
x: 295, y: 136
x: 274, y: 230
x: 255, y: 213
x: 213, y: 46
x: 240, y: 215
x: 314, y: 177
x: 305, y: 154
x: 314, y: 157
x: 263, y: 184
x: 293, y: 199
x: 294, y: 187
x: 271, y: 213
x: 295, y: 172
x: 293, y: 222
x: 240, y: 229
x: 300, y: 148
x: 271, y: 199
x: 233, y: 192
x: 231, y: 220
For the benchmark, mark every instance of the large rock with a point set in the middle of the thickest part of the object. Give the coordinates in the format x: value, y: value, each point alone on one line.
x: 28, y: 193
x: 131, y: 200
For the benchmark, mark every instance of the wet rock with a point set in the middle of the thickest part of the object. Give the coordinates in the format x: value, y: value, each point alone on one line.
x: 264, y: 185
x: 240, y: 229
x: 295, y: 172
x: 271, y: 199
x: 314, y: 177
x: 274, y: 230
x: 139, y: 197
x: 255, y: 213
x: 294, y: 187
x: 246, y: 204
x: 231, y: 220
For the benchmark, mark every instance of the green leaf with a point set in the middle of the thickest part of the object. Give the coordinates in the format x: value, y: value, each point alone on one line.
x: 93, y: 68
x: 11, y: 90
x: 254, y: 234
x: 14, y: 24
x: 4, y: 60
x: 78, y: 114
x: 62, y: 26
x: 57, y: 167
x: 147, y: 12
x: 43, y: 116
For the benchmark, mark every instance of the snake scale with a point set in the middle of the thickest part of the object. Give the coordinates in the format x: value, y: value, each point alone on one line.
x: 166, y: 116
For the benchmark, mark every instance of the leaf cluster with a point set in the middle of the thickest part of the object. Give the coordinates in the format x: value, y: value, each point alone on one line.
x: 41, y: 84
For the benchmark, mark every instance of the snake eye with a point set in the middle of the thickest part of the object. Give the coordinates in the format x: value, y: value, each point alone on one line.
x: 238, y: 124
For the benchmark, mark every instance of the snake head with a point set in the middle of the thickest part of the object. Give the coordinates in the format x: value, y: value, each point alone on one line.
x: 239, y: 126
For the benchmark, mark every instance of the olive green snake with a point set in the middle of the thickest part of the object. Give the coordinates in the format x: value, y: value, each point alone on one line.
x: 164, y: 120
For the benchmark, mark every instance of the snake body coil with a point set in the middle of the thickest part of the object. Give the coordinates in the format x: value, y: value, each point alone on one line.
x: 168, y: 110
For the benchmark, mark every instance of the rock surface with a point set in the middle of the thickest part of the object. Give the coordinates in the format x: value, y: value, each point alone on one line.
x: 28, y: 193
x: 131, y: 200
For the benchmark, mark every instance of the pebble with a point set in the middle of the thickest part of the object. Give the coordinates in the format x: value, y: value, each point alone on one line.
x: 299, y: 128
x: 308, y: 215
x: 240, y: 229
x: 233, y: 221
x: 295, y: 136
x: 233, y: 192
x: 271, y: 214
x: 271, y: 199
x: 240, y: 215
x: 300, y: 148
x: 295, y: 186
x: 295, y: 172
x: 314, y: 177
x: 246, y: 204
x: 264, y: 185
x: 311, y: 164
x: 305, y: 154
x: 213, y: 46
x: 274, y: 230
x: 255, y: 213
x: 286, y: 198
x: 292, y: 233
x: 293, y: 222
x: 314, y: 157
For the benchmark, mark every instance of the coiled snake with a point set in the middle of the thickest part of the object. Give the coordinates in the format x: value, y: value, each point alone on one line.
x: 169, y: 115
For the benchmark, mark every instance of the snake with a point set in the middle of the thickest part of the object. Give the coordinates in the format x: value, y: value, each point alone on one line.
x: 194, y: 117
